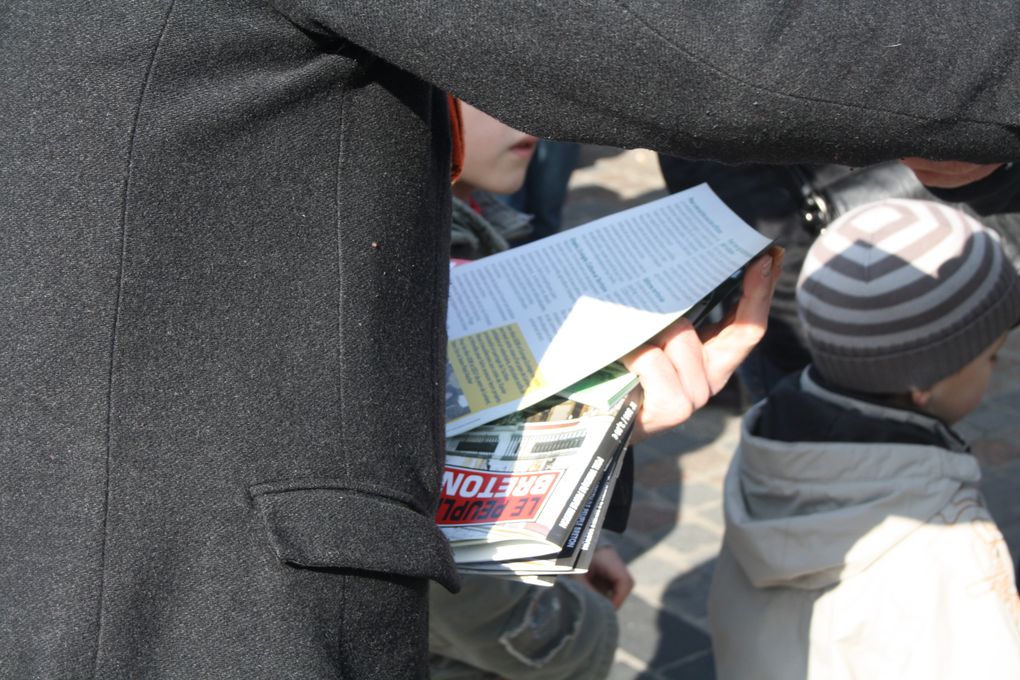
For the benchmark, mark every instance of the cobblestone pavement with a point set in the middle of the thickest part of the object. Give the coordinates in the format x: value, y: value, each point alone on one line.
x: 676, y: 522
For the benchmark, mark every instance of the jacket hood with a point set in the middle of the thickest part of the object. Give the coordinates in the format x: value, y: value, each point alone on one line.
x: 807, y: 514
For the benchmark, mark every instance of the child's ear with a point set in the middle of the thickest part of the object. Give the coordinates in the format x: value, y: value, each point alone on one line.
x: 920, y: 398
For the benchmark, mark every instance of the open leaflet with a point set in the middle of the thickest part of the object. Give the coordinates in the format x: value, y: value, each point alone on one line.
x: 526, y: 323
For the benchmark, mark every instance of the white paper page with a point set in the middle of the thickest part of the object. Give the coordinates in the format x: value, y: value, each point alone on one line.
x: 526, y: 323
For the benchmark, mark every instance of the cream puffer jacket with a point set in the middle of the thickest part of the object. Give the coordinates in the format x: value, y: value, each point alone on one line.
x: 860, y: 561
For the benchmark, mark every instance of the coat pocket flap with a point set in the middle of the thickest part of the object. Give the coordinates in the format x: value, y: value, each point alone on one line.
x: 341, y: 528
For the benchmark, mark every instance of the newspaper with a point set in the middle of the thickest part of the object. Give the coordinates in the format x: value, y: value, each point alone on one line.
x: 531, y: 485
x: 526, y: 323
x: 576, y: 553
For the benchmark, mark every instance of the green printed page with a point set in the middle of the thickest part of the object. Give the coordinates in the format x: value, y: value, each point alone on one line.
x: 603, y: 388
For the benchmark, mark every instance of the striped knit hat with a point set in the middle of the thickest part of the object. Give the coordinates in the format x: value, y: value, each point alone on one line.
x: 900, y: 294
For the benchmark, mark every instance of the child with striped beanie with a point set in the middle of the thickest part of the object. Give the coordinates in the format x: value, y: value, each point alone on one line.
x: 857, y: 543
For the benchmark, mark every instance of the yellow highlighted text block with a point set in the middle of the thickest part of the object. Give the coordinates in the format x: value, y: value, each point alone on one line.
x: 494, y: 367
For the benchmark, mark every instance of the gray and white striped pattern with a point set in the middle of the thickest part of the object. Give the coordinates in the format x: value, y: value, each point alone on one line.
x: 901, y: 294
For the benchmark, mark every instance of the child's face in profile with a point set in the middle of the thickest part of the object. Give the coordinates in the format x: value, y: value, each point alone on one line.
x: 954, y: 397
x: 495, y: 155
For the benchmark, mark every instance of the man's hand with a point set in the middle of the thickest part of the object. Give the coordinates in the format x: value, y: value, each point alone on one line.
x: 608, y: 575
x: 948, y: 174
x: 680, y: 368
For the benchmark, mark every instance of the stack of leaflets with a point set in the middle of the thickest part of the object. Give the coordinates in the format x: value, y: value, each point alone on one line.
x: 538, y: 414
x: 526, y: 495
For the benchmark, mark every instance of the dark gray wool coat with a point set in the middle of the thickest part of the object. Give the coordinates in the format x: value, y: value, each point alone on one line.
x: 223, y: 234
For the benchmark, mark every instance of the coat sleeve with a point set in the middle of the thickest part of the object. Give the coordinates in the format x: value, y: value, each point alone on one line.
x: 763, y: 80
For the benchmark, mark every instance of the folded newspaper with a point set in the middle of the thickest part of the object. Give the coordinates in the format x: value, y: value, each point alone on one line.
x: 537, y: 413
x: 526, y: 494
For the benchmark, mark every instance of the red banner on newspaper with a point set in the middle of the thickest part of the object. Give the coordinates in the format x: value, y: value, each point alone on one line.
x: 479, y: 497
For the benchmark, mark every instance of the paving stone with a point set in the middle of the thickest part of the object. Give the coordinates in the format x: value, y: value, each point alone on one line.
x: 658, y: 473
x: 987, y: 418
x: 705, y: 426
x: 652, y: 518
x: 708, y: 463
x: 700, y: 667
x: 1011, y: 532
x: 658, y: 636
x: 677, y: 441
x: 991, y: 452
x: 687, y: 594
x: 970, y: 433
x: 691, y: 494
x: 1002, y: 497
x: 1009, y: 400
x: 653, y: 495
x: 710, y: 514
x: 729, y: 439
x: 621, y: 671
x: 689, y: 536
x: 628, y: 544
x: 654, y: 572
x: 630, y: 175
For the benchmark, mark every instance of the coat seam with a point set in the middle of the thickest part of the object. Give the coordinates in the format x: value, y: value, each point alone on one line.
x: 115, y: 327
x: 337, y: 203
